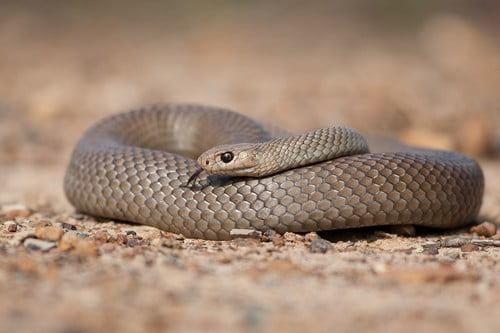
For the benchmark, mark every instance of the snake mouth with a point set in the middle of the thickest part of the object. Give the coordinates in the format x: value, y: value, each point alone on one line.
x: 194, y: 176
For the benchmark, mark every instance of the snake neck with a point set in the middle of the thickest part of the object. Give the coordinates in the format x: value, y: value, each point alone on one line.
x: 312, y: 147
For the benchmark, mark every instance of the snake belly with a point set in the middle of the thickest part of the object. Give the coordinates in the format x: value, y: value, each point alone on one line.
x: 135, y: 166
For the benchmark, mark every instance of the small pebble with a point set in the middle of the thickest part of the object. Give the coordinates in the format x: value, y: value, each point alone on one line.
x: 157, y: 242
x: 131, y: 232
x: 79, y: 245
x: 121, y: 239
x: 431, y: 248
x: 52, y: 234
x: 320, y: 245
x: 40, y: 223
x: 82, y: 234
x: 245, y: 233
x: 68, y: 226
x: 101, y: 236
x: 224, y: 261
x: 486, y: 229
x: 37, y: 244
x: 19, y: 213
x: 452, y: 254
x: 469, y: 247
x: 245, y: 242
x: 67, y: 241
x: 134, y: 242
x: 278, y: 240
x: 293, y: 237
x: 309, y: 237
x: 168, y: 243
x: 268, y: 235
x: 16, y: 210
x: 86, y: 247
x: 11, y: 226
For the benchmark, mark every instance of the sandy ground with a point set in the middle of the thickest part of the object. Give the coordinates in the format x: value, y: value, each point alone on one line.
x: 435, y: 83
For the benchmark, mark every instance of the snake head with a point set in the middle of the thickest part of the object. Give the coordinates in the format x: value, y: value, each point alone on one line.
x: 230, y: 160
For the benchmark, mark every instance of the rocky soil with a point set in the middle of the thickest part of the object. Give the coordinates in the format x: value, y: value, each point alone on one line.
x: 433, y: 83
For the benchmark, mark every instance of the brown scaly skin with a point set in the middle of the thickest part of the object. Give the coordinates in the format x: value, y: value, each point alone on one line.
x: 135, y: 166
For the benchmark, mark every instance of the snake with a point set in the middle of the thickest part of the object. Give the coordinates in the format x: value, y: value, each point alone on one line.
x: 204, y: 171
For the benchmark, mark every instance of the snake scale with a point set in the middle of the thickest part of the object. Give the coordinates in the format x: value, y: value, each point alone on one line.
x: 135, y: 167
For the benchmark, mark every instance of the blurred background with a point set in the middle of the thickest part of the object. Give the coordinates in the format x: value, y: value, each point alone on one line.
x: 424, y: 71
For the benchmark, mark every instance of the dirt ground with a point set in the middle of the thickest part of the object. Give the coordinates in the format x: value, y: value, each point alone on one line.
x: 425, y: 75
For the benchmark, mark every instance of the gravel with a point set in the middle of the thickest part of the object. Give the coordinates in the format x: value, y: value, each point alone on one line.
x: 62, y: 271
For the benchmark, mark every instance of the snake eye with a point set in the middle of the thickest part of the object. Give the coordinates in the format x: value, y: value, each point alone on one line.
x: 227, y: 157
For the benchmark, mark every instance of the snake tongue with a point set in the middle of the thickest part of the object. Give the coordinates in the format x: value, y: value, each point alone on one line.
x: 194, y: 176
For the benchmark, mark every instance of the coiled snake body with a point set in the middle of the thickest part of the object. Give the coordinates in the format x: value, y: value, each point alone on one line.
x: 135, y: 167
